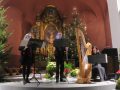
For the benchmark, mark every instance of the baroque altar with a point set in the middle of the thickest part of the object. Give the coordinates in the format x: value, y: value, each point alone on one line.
x: 48, y: 23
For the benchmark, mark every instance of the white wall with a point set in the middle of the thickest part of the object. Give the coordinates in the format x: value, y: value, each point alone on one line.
x: 118, y: 4
x: 114, y: 16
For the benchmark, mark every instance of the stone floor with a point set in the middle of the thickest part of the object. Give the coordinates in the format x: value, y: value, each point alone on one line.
x: 47, y: 84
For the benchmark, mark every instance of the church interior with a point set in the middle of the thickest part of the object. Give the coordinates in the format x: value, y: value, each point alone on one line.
x: 22, y: 16
x: 45, y: 18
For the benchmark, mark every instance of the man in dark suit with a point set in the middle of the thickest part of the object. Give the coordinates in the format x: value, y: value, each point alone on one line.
x: 26, y: 62
x: 60, y: 47
x: 26, y: 59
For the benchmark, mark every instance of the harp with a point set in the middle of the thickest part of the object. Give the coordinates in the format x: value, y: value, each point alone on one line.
x: 84, y: 75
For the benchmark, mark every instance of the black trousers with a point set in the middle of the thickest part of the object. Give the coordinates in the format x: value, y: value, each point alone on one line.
x: 59, y: 67
x: 26, y: 71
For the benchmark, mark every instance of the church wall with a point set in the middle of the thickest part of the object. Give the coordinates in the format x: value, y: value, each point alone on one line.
x: 94, y: 12
x: 14, y: 17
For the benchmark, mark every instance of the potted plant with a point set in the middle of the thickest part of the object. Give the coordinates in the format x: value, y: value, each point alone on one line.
x: 74, y: 72
x: 67, y: 68
x: 51, y: 67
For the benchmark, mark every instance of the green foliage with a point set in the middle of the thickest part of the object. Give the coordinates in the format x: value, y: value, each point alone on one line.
x: 67, y: 68
x: 4, y: 47
x: 47, y: 76
x: 51, y: 67
x: 118, y: 84
x: 50, y: 58
x: 68, y: 65
x: 74, y: 72
x: 70, y: 35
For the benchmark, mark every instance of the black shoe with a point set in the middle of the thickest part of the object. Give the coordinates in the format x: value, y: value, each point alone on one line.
x: 62, y: 80
x: 27, y: 81
x: 57, y: 80
x: 24, y: 82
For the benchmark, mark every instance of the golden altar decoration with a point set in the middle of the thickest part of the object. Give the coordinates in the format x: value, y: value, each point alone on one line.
x: 48, y: 23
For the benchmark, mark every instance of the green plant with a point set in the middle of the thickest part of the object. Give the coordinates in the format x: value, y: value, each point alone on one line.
x: 67, y: 68
x: 47, y: 76
x: 69, y: 32
x: 68, y: 65
x: 50, y: 58
x: 51, y: 67
x: 118, y: 84
x: 4, y: 48
x: 4, y: 34
x: 74, y: 72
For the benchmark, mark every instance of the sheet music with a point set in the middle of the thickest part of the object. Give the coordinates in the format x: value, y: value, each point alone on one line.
x: 24, y: 43
x: 100, y: 58
x: 43, y: 45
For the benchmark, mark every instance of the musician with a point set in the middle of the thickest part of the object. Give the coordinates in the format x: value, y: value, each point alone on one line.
x: 60, y: 47
x: 26, y: 59
x: 97, y: 68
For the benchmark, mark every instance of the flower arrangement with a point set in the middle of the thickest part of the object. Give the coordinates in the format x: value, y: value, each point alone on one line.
x: 74, y: 72
x: 47, y: 76
x: 66, y: 71
x: 118, y: 79
x: 67, y: 68
x: 118, y: 74
x: 51, y: 67
x: 5, y: 49
x: 118, y: 84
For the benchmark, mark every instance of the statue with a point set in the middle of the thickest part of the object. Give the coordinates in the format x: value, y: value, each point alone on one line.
x: 51, y: 38
x: 36, y: 30
x: 50, y: 47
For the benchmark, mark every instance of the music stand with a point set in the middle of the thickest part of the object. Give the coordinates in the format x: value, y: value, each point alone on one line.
x: 33, y: 44
x: 96, y: 59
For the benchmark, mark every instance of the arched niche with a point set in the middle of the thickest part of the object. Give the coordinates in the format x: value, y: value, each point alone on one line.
x: 50, y: 32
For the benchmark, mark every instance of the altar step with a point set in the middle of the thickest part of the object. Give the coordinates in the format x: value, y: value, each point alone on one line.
x: 106, y: 85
